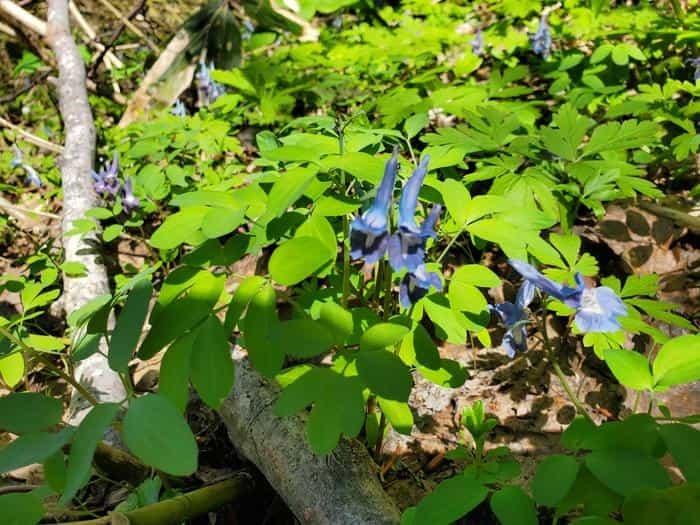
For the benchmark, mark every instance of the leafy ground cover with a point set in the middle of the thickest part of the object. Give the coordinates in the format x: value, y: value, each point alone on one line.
x: 460, y: 233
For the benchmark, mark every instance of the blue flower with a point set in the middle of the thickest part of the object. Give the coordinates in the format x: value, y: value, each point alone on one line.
x: 597, y: 309
x: 129, y: 201
x: 695, y: 62
x: 106, y: 181
x: 514, y: 317
x: 17, y: 161
x: 178, y: 109
x: 369, y: 232
x: 541, y: 41
x: 407, y: 245
x: 477, y: 43
x: 208, y: 89
x: 416, y: 284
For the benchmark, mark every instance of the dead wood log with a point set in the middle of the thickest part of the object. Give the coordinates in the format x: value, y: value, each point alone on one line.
x: 79, y: 196
x: 339, y: 489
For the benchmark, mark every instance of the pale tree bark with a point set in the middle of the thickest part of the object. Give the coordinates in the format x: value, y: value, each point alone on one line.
x: 341, y: 488
x: 79, y: 196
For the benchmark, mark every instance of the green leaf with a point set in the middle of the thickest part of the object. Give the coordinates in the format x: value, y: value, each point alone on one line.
x: 55, y: 471
x: 554, y: 478
x: 570, y: 128
x: 682, y: 441
x: 676, y: 505
x: 415, y: 123
x: 450, y: 374
x: 28, y: 412
x: 156, y: 433
x: 86, y: 346
x: 33, y: 447
x: 338, y: 320
x: 385, y: 374
x: 74, y: 269
x: 260, y: 323
x: 211, y: 363
x: 568, y: 245
x: 338, y: 406
x: 640, y: 285
x: 297, y: 259
x: 677, y: 362
x: 246, y: 290
x: 21, y: 509
x: 12, y: 368
x: 111, y: 232
x: 44, y: 343
x: 89, y: 434
x: 288, y: 188
x: 513, y: 507
x: 626, y: 471
x: 457, y: 200
x: 85, y: 312
x: 398, y: 414
x: 178, y: 228
x: 630, y: 368
x: 450, y: 500
x: 419, y: 349
x: 173, y: 320
x: 173, y: 381
x: 382, y: 335
x: 619, y: 136
x: 303, y: 337
x: 221, y: 221
x: 127, y: 330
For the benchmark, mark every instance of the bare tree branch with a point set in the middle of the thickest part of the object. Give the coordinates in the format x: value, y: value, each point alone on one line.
x: 78, y: 197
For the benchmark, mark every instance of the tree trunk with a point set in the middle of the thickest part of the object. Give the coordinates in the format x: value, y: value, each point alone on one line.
x: 339, y: 489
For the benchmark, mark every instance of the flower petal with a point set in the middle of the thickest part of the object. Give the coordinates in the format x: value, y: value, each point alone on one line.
x: 409, y: 195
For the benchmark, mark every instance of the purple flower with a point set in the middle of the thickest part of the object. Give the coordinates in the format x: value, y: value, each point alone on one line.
x: 129, y: 201
x: 369, y: 232
x: 541, y: 41
x: 514, y: 317
x: 416, y: 284
x: 208, y: 90
x: 105, y: 181
x: 597, y: 309
x: 407, y: 245
x: 477, y: 43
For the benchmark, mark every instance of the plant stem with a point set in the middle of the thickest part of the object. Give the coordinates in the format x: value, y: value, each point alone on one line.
x: 380, y: 437
x: 449, y: 245
x: 558, y: 371
x: 48, y: 364
x: 346, y: 227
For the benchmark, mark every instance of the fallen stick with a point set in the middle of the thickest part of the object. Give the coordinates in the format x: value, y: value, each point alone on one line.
x: 181, y: 508
x: 76, y: 163
x: 339, y: 489
x: 684, y: 219
x: 33, y: 139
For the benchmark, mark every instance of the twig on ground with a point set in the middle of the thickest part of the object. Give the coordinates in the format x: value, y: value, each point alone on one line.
x: 682, y: 218
x: 130, y: 25
x: 21, y: 213
x: 181, y: 508
x: 23, y: 16
x: 114, y: 36
x: 33, y: 139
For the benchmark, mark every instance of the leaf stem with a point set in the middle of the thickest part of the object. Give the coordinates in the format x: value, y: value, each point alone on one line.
x: 48, y: 364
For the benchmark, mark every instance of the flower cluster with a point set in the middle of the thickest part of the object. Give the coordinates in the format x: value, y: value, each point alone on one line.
x: 541, y: 41
x: 208, y: 90
x: 370, y: 239
x: 596, y: 309
x: 33, y: 178
x: 107, y: 185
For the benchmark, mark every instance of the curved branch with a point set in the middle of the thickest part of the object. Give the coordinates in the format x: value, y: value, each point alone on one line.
x: 79, y: 196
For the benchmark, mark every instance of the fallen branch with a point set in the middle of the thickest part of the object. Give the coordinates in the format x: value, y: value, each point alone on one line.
x: 340, y: 489
x: 689, y: 221
x: 130, y: 25
x: 181, y: 508
x: 33, y: 139
x: 78, y: 197
x: 113, y: 38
